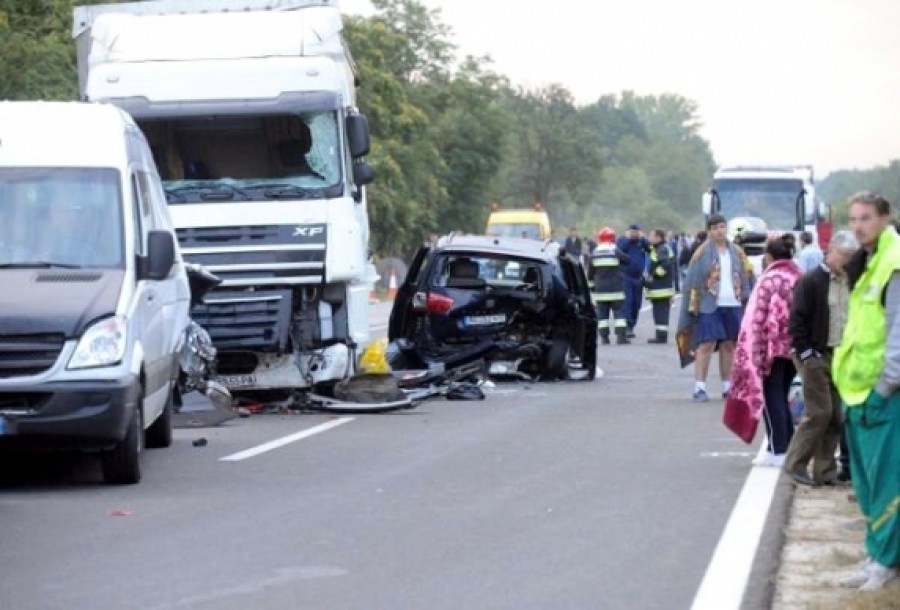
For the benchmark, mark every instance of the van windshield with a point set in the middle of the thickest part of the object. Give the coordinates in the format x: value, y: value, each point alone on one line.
x: 214, y: 158
x: 65, y: 217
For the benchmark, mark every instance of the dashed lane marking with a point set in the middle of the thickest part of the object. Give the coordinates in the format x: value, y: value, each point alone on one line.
x: 285, y: 440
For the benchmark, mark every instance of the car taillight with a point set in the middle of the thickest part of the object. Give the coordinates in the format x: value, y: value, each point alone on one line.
x: 438, y: 303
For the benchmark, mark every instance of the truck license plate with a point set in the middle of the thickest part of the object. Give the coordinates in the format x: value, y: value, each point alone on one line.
x: 485, y: 320
x: 236, y: 381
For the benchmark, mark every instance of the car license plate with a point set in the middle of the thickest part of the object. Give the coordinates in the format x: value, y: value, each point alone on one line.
x: 484, y: 320
x: 236, y: 381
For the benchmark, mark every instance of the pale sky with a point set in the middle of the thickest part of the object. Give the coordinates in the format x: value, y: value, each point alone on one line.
x: 775, y: 81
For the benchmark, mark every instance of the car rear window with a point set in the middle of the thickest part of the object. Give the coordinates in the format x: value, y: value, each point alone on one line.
x: 495, y: 270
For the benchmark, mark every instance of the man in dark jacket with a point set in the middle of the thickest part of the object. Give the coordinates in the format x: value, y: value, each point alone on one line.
x: 635, y: 247
x: 573, y: 243
x: 818, y: 314
x: 659, y: 281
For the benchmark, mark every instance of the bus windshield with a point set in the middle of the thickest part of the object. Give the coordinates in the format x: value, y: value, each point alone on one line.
x: 772, y: 200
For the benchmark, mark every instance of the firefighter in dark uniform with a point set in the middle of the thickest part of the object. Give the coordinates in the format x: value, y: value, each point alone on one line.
x: 608, y: 290
x: 659, y: 283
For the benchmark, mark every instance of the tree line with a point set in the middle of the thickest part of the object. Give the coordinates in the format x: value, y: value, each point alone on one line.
x: 452, y: 135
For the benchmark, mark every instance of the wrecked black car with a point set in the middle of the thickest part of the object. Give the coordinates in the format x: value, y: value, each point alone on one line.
x: 521, y: 306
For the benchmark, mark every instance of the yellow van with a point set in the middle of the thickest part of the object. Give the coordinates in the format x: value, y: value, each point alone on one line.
x: 531, y: 223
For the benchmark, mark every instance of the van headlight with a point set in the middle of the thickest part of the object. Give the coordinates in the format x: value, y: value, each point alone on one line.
x: 103, y: 344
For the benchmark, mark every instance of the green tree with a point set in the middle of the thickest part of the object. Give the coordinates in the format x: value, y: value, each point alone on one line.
x: 472, y: 133
x: 551, y: 150
x: 37, y: 50
x: 407, y: 191
x: 839, y: 186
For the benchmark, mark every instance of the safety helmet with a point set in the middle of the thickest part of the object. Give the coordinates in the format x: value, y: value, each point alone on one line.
x: 606, y: 235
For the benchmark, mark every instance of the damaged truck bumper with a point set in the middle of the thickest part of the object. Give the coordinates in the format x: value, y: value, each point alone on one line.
x: 282, y: 371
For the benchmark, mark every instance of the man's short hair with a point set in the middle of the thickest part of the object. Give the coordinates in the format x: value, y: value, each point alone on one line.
x: 715, y: 219
x: 877, y: 200
x: 806, y: 238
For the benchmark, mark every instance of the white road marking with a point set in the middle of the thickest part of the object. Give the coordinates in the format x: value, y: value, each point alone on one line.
x: 727, y: 574
x: 285, y: 440
x: 742, y: 454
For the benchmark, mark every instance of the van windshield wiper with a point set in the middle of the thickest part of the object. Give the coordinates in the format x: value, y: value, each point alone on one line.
x: 38, y: 265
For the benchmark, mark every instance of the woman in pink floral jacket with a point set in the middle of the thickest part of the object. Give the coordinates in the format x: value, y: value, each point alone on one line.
x: 763, y: 367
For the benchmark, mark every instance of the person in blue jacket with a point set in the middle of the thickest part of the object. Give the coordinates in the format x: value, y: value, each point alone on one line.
x: 635, y: 247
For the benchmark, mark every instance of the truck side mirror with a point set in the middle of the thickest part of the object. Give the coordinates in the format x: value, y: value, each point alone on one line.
x: 363, y: 173
x: 160, y: 256
x: 358, y: 135
x: 801, y: 211
x: 707, y: 203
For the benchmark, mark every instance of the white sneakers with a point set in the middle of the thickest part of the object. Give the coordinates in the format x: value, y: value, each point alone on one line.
x: 859, y: 577
x: 774, y: 460
x: 870, y: 576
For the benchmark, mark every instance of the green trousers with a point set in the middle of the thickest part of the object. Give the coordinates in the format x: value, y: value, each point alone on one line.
x: 873, y: 437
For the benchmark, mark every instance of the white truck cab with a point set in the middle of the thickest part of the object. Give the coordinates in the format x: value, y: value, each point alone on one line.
x: 250, y: 111
x: 249, y: 107
x: 95, y: 297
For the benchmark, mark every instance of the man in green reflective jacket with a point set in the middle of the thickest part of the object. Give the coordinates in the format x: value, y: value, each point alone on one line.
x: 866, y: 371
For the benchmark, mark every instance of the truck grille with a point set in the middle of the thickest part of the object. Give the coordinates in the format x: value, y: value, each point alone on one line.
x: 258, y: 320
x: 22, y: 355
x: 258, y: 255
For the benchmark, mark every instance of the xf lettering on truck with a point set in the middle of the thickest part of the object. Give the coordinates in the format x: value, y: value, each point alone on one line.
x: 308, y: 231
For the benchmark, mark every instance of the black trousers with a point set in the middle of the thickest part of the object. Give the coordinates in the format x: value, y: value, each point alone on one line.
x: 661, y: 310
x: 777, y: 414
x: 617, y: 309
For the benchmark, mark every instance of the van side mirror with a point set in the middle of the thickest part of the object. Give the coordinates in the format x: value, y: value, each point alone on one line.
x: 160, y: 256
x: 358, y: 135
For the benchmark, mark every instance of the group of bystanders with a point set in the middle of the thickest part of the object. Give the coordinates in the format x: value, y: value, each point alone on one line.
x: 835, y: 320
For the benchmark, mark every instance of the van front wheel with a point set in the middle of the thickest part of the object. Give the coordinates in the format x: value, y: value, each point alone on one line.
x: 121, y: 465
x: 159, y: 434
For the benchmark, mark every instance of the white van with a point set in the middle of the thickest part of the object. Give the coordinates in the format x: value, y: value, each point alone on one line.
x: 95, y: 297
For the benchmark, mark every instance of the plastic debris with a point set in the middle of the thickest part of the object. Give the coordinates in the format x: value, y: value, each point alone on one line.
x: 373, y: 360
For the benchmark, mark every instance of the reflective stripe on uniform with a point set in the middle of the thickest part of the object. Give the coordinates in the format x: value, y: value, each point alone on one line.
x: 603, y: 324
x: 604, y: 262
x: 621, y: 323
x: 660, y: 293
x: 603, y: 297
x: 662, y: 327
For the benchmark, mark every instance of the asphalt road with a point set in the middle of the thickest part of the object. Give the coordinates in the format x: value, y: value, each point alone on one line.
x: 604, y: 494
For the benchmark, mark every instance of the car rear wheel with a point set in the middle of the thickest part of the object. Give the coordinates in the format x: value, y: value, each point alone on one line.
x: 121, y: 465
x: 564, y: 363
x: 558, y: 359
